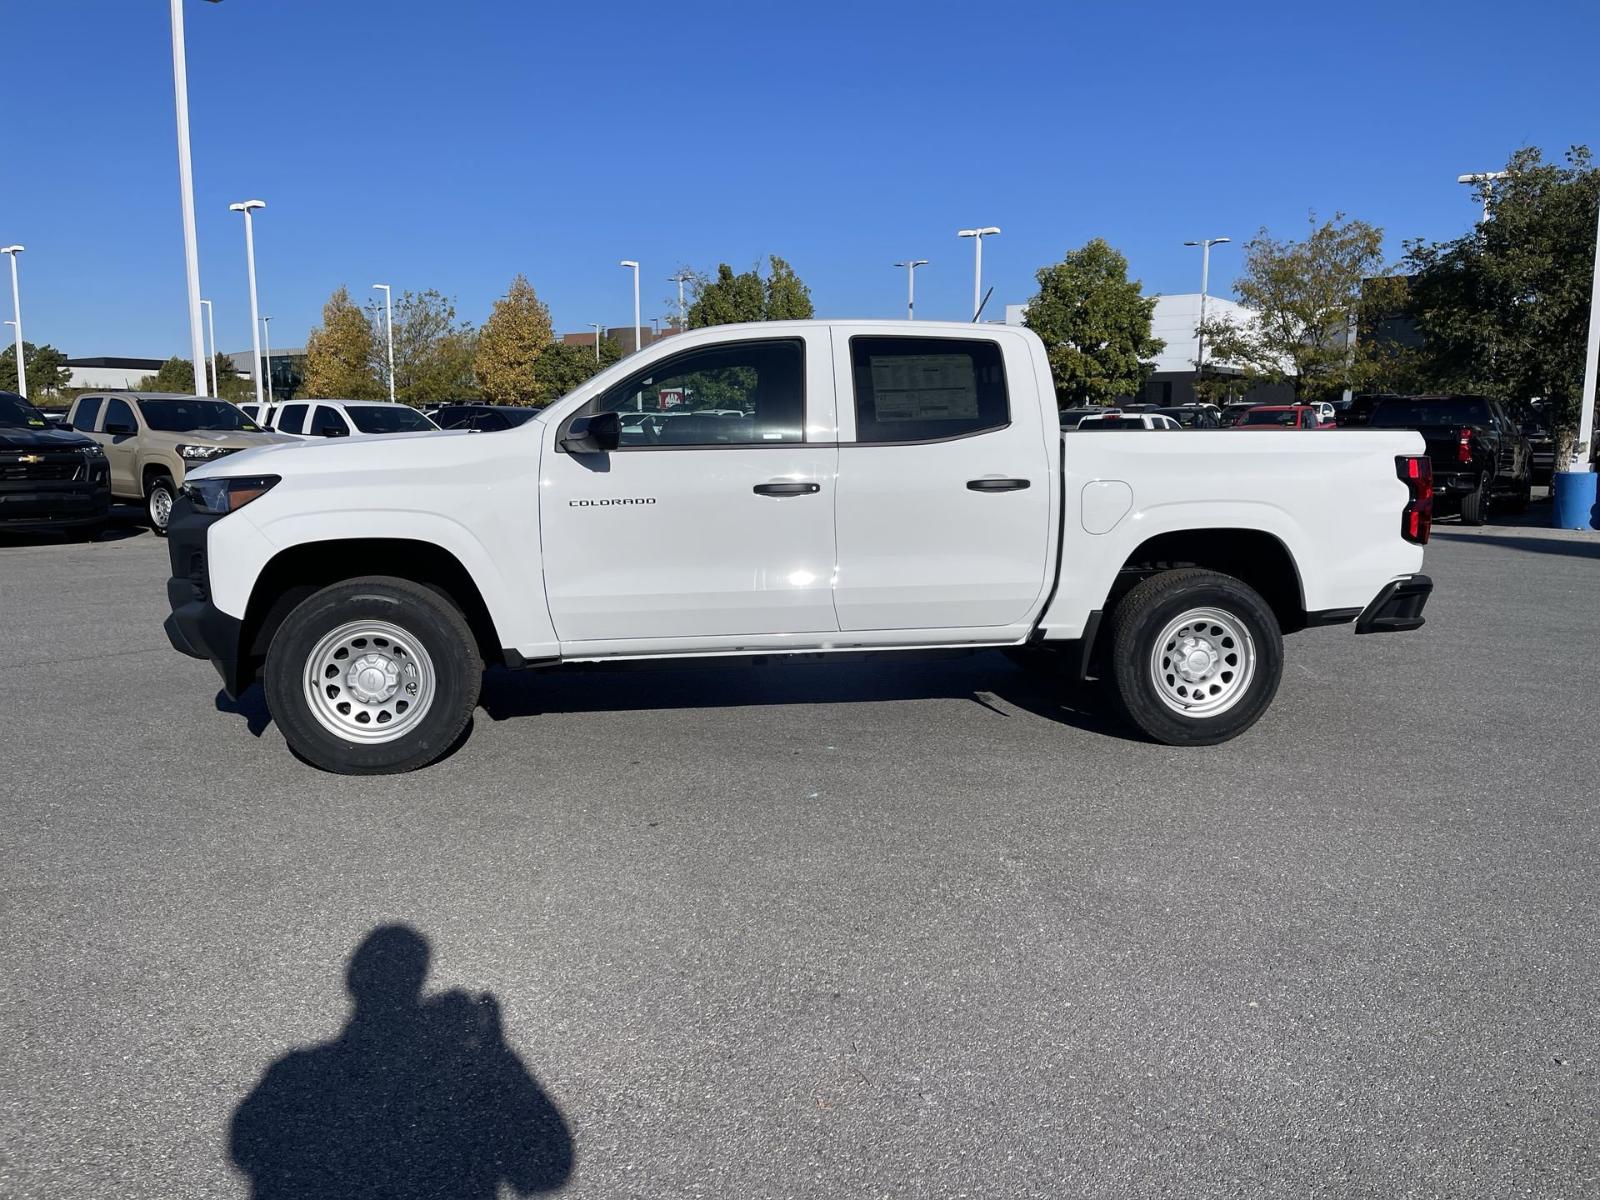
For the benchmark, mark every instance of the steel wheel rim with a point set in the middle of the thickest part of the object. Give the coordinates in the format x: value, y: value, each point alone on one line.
x: 369, y: 681
x: 160, y: 506
x: 1203, y: 662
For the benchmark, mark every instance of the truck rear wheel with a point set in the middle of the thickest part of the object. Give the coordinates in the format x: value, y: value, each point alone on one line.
x: 1475, y: 504
x: 373, y: 676
x: 1196, y: 657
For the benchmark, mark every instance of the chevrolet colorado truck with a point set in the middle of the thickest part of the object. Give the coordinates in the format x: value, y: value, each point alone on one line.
x: 812, y: 488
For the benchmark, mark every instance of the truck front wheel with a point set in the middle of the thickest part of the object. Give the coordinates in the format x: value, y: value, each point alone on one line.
x: 373, y: 676
x: 1196, y: 656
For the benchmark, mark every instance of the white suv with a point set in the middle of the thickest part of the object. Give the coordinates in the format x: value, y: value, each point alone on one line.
x: 307, y: 419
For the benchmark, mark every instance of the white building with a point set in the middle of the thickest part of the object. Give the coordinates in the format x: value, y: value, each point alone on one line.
x: 112, y: 374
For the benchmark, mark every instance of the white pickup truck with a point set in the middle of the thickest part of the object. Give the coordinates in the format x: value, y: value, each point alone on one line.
x: 803, y: 487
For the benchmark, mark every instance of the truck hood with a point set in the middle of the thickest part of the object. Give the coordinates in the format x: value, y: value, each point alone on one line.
x: 14, y: 437
x: 275, y: 454
x: 217, y: 437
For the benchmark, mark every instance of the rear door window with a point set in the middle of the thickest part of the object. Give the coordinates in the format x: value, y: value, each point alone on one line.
x: 923, y: 389
x: 292, y: 418
x: 86, y: 414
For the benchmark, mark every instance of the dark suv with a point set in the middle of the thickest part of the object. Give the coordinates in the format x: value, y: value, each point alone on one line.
x: 49, y: 478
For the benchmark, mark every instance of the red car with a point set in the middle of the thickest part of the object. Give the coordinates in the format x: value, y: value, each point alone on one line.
x: 1281, y: 416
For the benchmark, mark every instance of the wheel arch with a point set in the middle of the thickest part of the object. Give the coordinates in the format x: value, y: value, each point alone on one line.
x: 1254, y: 556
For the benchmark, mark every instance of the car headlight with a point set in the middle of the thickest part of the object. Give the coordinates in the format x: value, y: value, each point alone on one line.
x: 92, y: 450
x: 223, y: 494
x: 202, y: 453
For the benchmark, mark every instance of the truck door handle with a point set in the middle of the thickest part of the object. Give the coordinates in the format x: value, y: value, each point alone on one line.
x: 787, y: 487
x: 997, y: 485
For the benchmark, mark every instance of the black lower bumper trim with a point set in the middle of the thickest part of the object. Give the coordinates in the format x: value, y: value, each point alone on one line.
x: 197, y: 627
x: 1397, y: 607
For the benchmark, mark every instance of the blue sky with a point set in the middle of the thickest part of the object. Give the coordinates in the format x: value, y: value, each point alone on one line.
x: 452, y: 145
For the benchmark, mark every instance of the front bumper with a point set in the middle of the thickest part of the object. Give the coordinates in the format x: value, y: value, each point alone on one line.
x: 1398, y: 607
x: 52, y: 505
x: 197, y: 627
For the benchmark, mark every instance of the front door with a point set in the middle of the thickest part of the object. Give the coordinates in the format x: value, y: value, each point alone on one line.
x: 944, y: 493
x: 122, y: 449
x: 714, y: 518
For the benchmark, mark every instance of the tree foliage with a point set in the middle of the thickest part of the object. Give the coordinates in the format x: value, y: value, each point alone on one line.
x: 510, y: 345
x: 1307, y: 296
x: 1095, y: 324
x: 46, y: 367
x: 565, y: 365
x: 730, y: 298
x: 174, y: 375
x: 1504, y: 310
x: 339, y: 353
x: 433, y: 353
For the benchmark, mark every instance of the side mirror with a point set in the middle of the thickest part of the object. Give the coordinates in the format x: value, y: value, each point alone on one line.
x: 593, y: 434
x: 335, y: 431
x: 119, y: 429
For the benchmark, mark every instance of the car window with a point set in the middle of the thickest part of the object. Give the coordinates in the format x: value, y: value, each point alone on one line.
x: 186, y: 416
x: 1413, y: 414
x: 455, y: 417
x: 491, y: 421
x: 735, y: 394
x: 119, y: 412
x: 327, y: 423
x: 1105, y: 423
x: 387, y: 418
x: 292, y: 418
x: 1287, y: 417
x: 251, y: 411
x: 17, y: 413
x: 918, y: 389
x: 86, y: 414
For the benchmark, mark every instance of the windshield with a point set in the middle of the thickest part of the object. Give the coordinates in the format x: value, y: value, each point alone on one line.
x: 1414, y: 414
x: 17, y: 413
x: 387, y: 418
x: 1266, y: 416
x: 187, y: 416
x: 1093, y: 423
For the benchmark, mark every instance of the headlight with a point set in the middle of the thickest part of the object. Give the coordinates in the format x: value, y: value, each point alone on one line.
x: 223, y: 494
x: 92, y: 450
x: 202, y: 453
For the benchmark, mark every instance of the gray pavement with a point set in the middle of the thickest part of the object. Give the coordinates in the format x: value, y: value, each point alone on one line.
x: 838, y: 930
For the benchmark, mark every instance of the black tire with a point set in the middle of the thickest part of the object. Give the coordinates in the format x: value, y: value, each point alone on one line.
x: 158, y: 500
x: 429, y: 619
x: 1145, y: 613
x: 1475, y: 505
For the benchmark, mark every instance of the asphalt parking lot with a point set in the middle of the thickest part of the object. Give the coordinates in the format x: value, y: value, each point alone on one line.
x: 836, y: 930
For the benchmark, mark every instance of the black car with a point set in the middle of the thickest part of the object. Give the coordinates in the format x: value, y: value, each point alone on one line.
x: 1542, y: 444
x: 1479, y: 455
x: 1192, y: 417
x: 49, y: 478
x: 487, y: 417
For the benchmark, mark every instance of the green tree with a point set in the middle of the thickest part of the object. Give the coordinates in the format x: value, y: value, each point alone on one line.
x: 510, y: 344
x: 1503, y: 310
x: 47, y: 370
x: 174, y: 375
x: 339, y: 353
x: 433, y: 353
x: 732, y: 298
x: 564, y: 365
x: 1307, y: 297
x: 1095, y: 324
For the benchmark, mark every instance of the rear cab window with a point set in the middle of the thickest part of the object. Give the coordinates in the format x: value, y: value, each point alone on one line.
x: 926, y: 389
x: 1403, y: 413
x: 292, y: 418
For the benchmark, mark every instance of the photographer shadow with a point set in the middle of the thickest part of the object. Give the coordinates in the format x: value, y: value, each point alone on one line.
x: 419, y: 1096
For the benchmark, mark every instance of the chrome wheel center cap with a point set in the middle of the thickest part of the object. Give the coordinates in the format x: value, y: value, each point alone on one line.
x: 373, y: 678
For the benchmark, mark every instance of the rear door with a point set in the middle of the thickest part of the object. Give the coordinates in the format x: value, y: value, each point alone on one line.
x: 944, y: 492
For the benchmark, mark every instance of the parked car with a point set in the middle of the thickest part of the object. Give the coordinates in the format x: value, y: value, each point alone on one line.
x: 152, y: 440
x: 1541, y: 449
x: 920, y: 504
x: 1359, y: 411
x: 49, y: 478
x: 1070, y: 417
x: 485, y: 417
x: 1126, y: 420
x: 1326, y: 415
x: 307, y: 419
x: 1192, y: 416
x: 1280, y: 416
x: 1480, y: 457
x: 1234, y: 413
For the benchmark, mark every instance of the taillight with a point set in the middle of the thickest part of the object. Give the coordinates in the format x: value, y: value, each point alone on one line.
x: 1416, y: 520
x: 1464, y: 447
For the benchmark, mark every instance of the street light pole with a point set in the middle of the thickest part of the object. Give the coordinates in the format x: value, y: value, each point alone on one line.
x: 211, y: 330
x: 388, y: 326
x: 191, y: 248
x: 16, y: 311
x: 977, y: 236
x: 638, y: 337
x: 1591, y: 367
x: 597, y: 327
x: 266, y: 333
x: 247, y: 207
x: 911, y: 265
x: 680, y: 279
x: 1483, y: 177
x: 1205, y: 245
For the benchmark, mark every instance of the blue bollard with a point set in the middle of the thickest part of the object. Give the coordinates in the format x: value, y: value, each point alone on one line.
x: 1572, y: 494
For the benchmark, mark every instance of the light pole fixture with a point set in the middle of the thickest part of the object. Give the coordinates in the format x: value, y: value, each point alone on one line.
x: 638, y: 337
x: 977, y: 236
x: 247, y: 207
x: 16, y: 312
x: 211, y: 331
x: 598, y: 330
x: 191, y: 247
x: 266, y: 334
x: 911, y: 265
x: 1484, y: 178
x: 388, y: 327
x: 681, y: 278
x: 1205, y: 245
